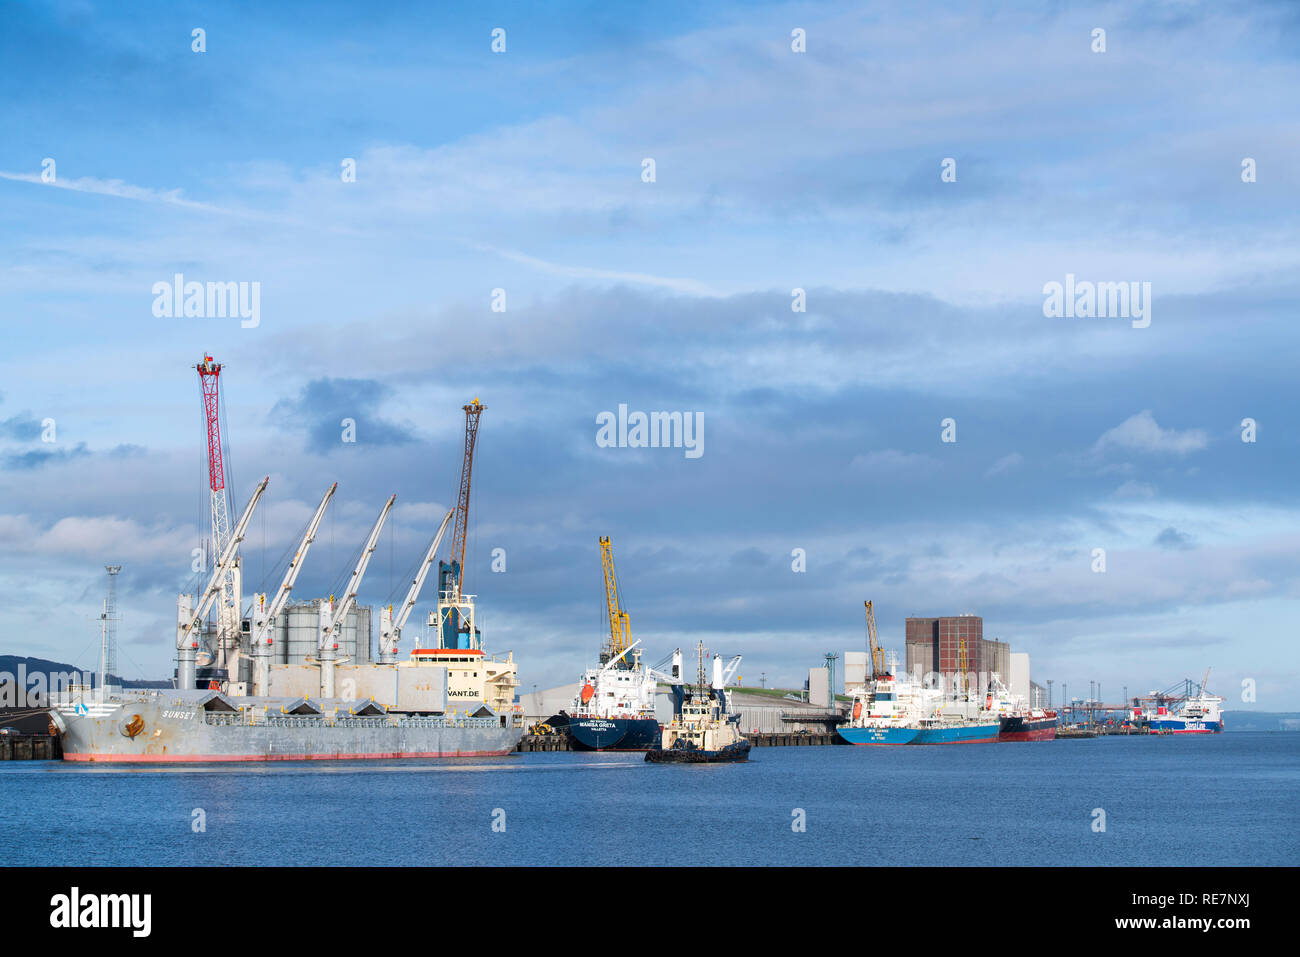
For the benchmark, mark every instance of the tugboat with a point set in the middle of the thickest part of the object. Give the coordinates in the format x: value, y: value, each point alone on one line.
x: 615, y: 706
x: 703, y: 731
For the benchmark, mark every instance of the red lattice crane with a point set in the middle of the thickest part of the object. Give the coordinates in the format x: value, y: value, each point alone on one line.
x: 228, y: 607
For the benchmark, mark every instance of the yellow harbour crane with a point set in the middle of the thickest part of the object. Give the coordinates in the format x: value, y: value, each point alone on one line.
x: 873, y: 640
x: 620, y: 630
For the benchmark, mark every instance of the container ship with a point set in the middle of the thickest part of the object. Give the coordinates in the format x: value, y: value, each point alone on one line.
x: 615, y: 706
x: 235, y: 701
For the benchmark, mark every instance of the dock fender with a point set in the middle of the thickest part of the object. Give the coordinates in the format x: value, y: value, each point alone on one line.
x: 57, y: 724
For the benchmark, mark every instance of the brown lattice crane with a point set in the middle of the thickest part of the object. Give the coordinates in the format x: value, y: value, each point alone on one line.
x: 472, y: 413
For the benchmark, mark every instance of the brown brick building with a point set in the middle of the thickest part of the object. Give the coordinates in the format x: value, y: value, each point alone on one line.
x: 934, y: 646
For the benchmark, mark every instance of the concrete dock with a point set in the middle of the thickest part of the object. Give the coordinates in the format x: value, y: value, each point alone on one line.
x: 759, y: 739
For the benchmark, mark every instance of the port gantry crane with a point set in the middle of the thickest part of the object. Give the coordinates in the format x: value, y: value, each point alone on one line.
x: 187, y: 619
x: 332, y: 615
x: 265, y: 613
x: 454, y: 616
x: 231, y: 601
x: 878, y: 669
x: 390, y: 625
x: 620, y: 629
x: 621, y: 646
x: 1172, y: 695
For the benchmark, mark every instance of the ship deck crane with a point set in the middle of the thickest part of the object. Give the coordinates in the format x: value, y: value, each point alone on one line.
x: 620, y: 629
x: 721, y: 675
x: 187, y: 619
x: 390, y: 625
x: 332, y: 615
x: 265, y: 613
x: 675, y: 679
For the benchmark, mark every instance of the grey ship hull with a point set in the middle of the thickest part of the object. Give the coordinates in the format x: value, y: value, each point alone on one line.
x: 189, y: 726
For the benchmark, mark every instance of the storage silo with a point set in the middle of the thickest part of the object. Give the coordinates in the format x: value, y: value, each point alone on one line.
x: 297, y: 634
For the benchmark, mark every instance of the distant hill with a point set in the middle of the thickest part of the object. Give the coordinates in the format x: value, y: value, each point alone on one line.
x: 1261, y: 721
x: 9, y: 667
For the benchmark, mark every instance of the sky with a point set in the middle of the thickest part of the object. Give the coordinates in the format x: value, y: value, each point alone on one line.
x: 920, y: 171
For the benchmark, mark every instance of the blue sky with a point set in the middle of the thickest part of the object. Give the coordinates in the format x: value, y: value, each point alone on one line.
x: 775, y: 170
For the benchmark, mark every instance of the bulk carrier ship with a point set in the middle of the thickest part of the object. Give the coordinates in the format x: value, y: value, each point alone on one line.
x: 234, y: 702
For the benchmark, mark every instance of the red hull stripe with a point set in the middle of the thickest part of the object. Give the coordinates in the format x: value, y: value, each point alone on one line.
x: 210, y: 758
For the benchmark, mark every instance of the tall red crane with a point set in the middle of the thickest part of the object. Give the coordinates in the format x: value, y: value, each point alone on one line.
x: 228, y: 605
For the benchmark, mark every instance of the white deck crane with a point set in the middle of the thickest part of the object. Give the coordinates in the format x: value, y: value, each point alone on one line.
x: 187, y: 620
x: 265, y: 613
x: 331, y: 615
x: 390, y: 626
x: 675, y: 679
x: 721, y: 676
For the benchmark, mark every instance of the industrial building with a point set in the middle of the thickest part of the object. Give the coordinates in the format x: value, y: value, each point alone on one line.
x: 935, y: 646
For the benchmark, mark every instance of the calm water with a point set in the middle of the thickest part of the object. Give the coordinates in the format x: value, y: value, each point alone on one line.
x: 1226, y: 799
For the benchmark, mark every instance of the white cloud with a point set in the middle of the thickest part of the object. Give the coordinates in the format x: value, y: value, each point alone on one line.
x: 91, y: 537
x: 117, y: 188
x: 1141, y: 433
x: 1005, y: 464
x: 1134, y: 489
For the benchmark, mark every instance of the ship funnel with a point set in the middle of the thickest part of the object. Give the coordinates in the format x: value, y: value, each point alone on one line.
x: 717, y: 671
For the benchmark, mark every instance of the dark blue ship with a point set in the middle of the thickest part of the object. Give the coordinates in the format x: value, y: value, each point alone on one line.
x: 614, y: 734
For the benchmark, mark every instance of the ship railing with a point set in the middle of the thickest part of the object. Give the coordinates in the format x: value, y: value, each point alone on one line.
x: 256, y: 718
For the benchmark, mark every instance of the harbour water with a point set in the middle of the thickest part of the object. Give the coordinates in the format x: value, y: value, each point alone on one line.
x: 1214, y: 800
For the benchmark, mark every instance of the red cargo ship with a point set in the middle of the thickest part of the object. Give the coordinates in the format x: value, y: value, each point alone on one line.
x: 1033, y: 725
